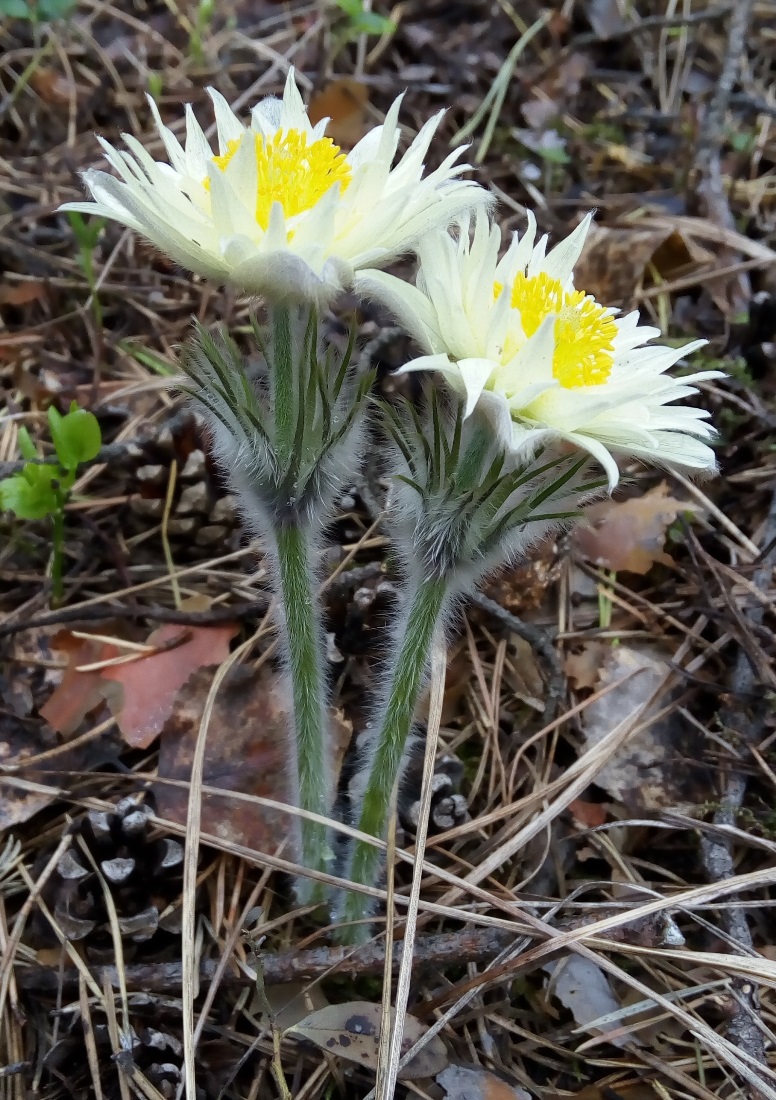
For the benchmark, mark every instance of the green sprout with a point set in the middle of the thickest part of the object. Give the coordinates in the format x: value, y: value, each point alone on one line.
x: 36, y: 11
x: 360, y: 20
x: 87, y: 233
x: 200, y: 29
x: 42, y: 489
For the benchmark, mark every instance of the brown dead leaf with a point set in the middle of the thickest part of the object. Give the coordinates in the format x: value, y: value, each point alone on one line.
x: 589, y: 814
x: 617, y: 261
x: 522, y: 674
x: 26, y: 677
x: 246, y: 753
x: 635, y: 1090
x: 630, y: 535
x: 54, y: 88
x: 151, y: 683
x: 583, y: 668
x: 21, y: 294
x: 660, y: 767
x: 352, y: 1030
x: 79, y: 693
x: 344, y: 102
x: 475, y: 1083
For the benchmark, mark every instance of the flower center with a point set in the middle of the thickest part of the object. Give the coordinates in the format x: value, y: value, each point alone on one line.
x: 584, y: 331
x: 290, y: 171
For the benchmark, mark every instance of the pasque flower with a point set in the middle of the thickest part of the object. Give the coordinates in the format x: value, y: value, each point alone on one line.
x: 546, y: 360
x: 278, y: 209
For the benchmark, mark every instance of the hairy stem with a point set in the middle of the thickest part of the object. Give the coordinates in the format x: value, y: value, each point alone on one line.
x: 283, y: 379
x: 303, y: 634
x: 404, y: 683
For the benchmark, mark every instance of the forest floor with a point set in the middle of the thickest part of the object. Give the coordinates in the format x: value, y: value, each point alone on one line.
x: 596, y: 904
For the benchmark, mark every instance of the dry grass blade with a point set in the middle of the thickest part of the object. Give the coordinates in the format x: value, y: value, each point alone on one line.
x: 190, y: 967
x: 386, y: 1081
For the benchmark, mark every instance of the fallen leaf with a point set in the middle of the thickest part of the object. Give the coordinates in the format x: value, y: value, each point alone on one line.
x: 522, y: 675
x: 151, y: 683
x: 584, y: 667
x: 26, y: 677
x: 20, y: 294
x: 605, y: 17
x: 589, y: 814
x: 661, y: 766
x: 630, y: 536
x: 474, y: 1083
x: 583, y: 988
x: 617, y: 261
x: 290, y: 1002
x: 352, y: 1030
x: 78, y: 693
x: 246, y: 752
x: 53, y: 87
x: 344, y: 102
x: 634, y: 1090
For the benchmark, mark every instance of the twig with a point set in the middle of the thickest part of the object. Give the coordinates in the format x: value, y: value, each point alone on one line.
x: 451, y: 949
x: 349, y: 578
x: 653, y: 23
x: 716, y: 849
x: 539, y: 640
x: 221, y: 614
x: 711, y: 188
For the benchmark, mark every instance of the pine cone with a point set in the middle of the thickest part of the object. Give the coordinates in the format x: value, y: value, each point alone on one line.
x: 448, y: 807
x: 142, y: 872
x: 202, y: 513
x: 156, y: 1053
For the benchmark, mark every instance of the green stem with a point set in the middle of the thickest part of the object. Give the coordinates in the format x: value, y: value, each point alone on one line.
x: 302, y: 625
x: 57, y: 554
x: 404, y: 684
x: 283, y: 373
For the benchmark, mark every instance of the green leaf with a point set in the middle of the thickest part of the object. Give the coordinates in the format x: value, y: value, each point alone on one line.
x: 352, y: 8
x: 369, y: 22
x: 362, y: 21
x: 16, y: 9
x: 31, y: 494
x: 26, y: 446
x: 76, y: 436
x: 55, y: 9
x: 147, y: 358
x: 87, y: 233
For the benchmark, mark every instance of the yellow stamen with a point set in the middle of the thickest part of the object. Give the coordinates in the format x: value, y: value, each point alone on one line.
x: 584, y: 331
x: 291, y: 172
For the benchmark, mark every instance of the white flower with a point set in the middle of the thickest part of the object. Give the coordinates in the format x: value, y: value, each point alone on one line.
x: 280, y: 210
x: 546, y: 360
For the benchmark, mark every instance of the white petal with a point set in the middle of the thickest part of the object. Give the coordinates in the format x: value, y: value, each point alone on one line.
x: 560, y: 262
x: 410, y: 307
x: 432, y: 362
x: 474, y: 375
x: 198, y: 151
x: 294, y: 113
x: 171, y: 144
x: 228, y: 124
x: 599, y: 452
